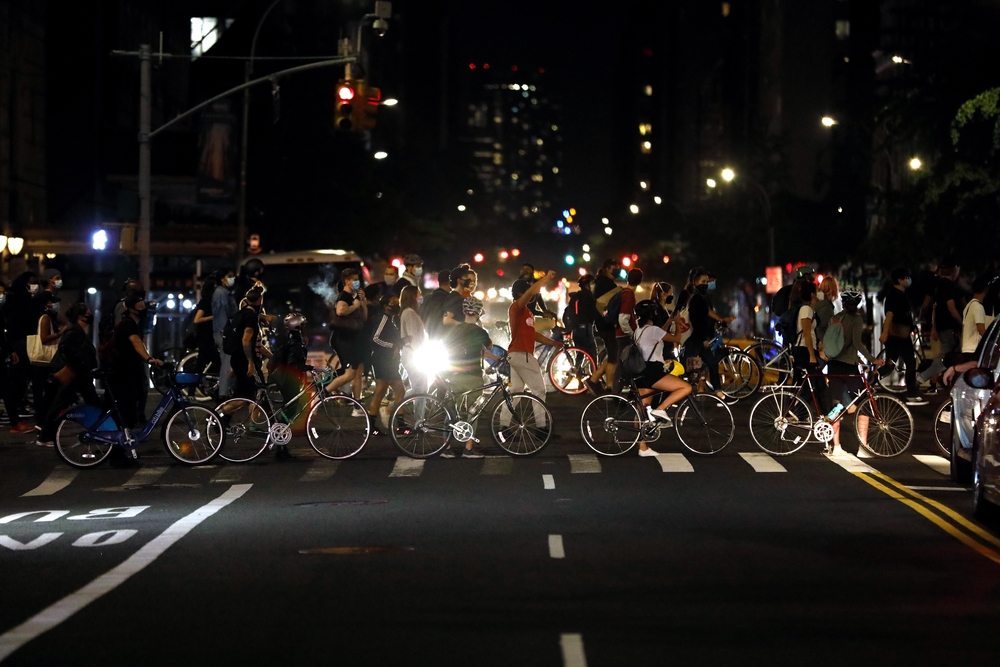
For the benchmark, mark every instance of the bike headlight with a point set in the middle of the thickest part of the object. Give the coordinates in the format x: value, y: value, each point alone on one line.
x: 431, y: 358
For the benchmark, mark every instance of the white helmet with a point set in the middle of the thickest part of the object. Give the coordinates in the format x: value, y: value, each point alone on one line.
x: 294, y: 320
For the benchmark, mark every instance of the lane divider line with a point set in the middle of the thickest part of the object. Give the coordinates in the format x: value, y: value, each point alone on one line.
x: 938, y: 464
x: 572, y: 650
x: 548, y: 482
x: 407, y: 467
x: 55, y: 614
x: 938, y: 488
x: 144, y: 475
x: 57, y: 480
x: 674, y: 463
x: 497, y: 465
x: 320, y: 470
x: 584, y: 463
x: 556, y: 546
x: 930, y: 516
x: 762, y: 462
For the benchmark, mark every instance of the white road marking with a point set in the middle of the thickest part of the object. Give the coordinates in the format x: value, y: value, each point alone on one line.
x: 572, y: 650
x: 320, y: 470
x: 762, y: 462
x: 497, y: 465
x: 62, y: 610
x: 850, y: 462
x: 144, y: 475
x: 548, y: 482
x: 229, y: 475
x: 14, y: 545
x: 938, y: 464
x: 57, y: 480
x: 674, y: 463
x: 581, y: 463
x: 407, y: 467
x: 556, y: 546
x: 937, y: 488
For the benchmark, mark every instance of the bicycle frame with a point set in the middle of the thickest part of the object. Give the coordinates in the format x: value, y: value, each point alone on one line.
x: 123, y: 436
x: 867, y: 394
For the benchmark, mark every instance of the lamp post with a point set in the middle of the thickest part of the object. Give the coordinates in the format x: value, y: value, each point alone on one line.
x: 729, y: 175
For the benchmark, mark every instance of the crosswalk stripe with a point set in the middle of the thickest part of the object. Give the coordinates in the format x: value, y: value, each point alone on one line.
x: 548, y: 482
x: 762, y: 462
x: 850, y: 462
x: 144, y: 475
x: 497, y: 465
x: 556, y: 549
x: 407, y: 467
x: 320, y: 470
x: 571, y: 645
x: 229, y: 475
x: 57, y: 480
x: 674, y: 463
x: 938, y: 464
x: 583, y: 463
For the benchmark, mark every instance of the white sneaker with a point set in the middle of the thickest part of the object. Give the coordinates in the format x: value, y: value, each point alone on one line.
x: 660, y: 415
x: 648, y: 452
x: 836, y: 450
x: 863, y: 453
x: 358, y: 412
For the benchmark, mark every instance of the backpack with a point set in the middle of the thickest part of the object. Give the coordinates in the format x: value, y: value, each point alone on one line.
x: 610, y: 314
x: 605, y: 299
x: 232, y: 337
x: 787, y: 327
x: 107, y: 350
x: 106, y: 327
x: 835, y: 338
x: 571, y: 311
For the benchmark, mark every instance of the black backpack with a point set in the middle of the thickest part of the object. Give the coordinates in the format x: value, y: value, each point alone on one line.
x: 787, y: 327
x: 106, y: 327
x: 232, y: 337
x: 570, y: 314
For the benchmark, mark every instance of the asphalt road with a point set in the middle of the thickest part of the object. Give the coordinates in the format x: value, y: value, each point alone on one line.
x: 561, y: 559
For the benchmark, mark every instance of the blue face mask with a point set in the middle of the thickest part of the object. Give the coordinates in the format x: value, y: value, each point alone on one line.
x: 356, y: 285
x: 711, y: 286
x: 907, y: 282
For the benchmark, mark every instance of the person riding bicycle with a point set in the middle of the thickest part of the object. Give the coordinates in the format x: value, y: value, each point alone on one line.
x: 287, y: 367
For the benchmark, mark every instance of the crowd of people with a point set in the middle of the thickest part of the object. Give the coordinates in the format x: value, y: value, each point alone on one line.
x: 381, y: 327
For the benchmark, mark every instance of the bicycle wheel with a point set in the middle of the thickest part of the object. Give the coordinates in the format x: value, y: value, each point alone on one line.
x: 75, y: 446
x: 569, y: 368
x: 739, y: 375
x: 247, y: 427
x: 890, y: 425
x: 610, y: 425
x: 774, y: 364
x: 208, y: 388
x: 333, y: 430
x: 892, y: 376
x: 526, y: 430
x: 421, y: 426
x: 942, y: 428
x: 704, y: 424
x: 781, y: 423
x: 193, y: 435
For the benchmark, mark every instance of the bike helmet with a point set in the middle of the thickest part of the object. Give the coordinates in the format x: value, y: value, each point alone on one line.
x: 645, y: 309
x: 294, y: 320
x: 472, y: 306
x: 851, y: 296
x: 254, y: 266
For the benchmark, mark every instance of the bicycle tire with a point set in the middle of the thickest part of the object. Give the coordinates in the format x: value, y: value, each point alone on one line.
x: 522, y: 435
x: 75, y: 447
x: 247, y: 427
x: 942, y: 428
x: 775, y: 366
x: 890, y: 425
x: 569, y: 369
x: 781, y: 423
x: 204, y: 391
x: 333, y: 430
x: 193, y: 435
x: 704, y: 424
x: 892, y: 376
x: 421, y: 426
x: 739, y: 375
x: 610, y: 425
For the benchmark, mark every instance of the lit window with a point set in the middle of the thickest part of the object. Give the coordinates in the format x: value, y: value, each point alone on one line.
x: 842, y: 29
x: 555, y: 170
x: 725, y: 9
x: 649, y: 91
x: 645, y: 128
x: 644, y: 185
x: 205, y: 32
x: 555, y: 128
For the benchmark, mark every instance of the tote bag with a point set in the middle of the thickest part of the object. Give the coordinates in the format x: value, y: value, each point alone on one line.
x: 39, y: 353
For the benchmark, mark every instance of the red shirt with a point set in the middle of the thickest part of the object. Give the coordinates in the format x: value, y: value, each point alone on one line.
x: 628, y: 305
x: 522, y: 329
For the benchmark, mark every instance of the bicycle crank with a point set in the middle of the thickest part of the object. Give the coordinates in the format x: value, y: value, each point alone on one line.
x: 281, y: 434
x: 823, y: 430
x: 464, y: 432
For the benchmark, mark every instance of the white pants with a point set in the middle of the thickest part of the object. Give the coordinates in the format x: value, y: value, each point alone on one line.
x: 418, y: 380
x: 526, y: 373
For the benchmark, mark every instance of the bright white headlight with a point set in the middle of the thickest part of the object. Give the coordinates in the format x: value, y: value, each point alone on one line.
x: 431, y: 358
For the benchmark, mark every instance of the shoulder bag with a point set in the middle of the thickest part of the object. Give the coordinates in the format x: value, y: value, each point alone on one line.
x: 38, y: 352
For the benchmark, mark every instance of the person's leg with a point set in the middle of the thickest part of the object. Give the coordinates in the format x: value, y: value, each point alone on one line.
x: 948, y: 343
x: 373, y: 407
x: 142, y: 391
x: 10, y: 403
x: 63, y: 398
x: 677, y: 387
x: 225, y: 367
x: 531, y: 376
x: 21, y: 372
x: 583, y: 338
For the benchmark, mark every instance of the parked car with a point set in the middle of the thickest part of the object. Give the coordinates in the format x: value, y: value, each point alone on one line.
x: 969, y: 396
x: 986, y: 465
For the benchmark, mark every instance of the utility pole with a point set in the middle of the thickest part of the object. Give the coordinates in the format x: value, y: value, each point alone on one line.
x: 145, y: 194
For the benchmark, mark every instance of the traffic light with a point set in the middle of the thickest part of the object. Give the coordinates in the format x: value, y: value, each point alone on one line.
x: 346, y: 102
x: 364, y: 112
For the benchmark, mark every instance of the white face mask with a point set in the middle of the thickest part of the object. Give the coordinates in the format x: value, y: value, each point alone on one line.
x: 419, y: 271
x: 54, y: 307
x: 229, y: 282
x: 821, y: 296
x: 57, y: 284
x: 33, y: 289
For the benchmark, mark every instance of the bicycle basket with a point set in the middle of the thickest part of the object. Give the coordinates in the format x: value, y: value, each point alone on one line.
x: 186, y: 379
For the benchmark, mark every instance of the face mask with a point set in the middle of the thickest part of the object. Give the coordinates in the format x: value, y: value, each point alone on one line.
x: 229, y: 282
x: 669, y: 300
x: 711, y: 286
x: 33, y: 289
x: 3, y: 298
x: 419, y: 271
x: 89, y: 318
x: 701, y: 289
x: 57, y: 284
x: 391, y: 280
x: 821, y: 296
x: 54, y: 307
x: 907, y: 282
x: 356, y: 285
x: 394, y: 310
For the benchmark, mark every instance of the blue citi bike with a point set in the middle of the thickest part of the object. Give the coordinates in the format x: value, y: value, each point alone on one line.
x: 192, y: 434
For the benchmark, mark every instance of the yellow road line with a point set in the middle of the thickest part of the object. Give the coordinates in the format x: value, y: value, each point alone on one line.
x: 930, y: 516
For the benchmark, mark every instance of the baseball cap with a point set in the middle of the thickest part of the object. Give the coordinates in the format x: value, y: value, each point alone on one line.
x: 49, y: 274
x: 804, y: 271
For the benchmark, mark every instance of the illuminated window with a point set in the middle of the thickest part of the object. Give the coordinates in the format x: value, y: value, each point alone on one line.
x: 725, y: 9
x: 205, y: 32
x: 842, y: 29
x: 645, y: 128
x: 648, y: 90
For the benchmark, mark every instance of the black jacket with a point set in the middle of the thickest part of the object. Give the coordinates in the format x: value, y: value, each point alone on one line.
x: 77, y: 352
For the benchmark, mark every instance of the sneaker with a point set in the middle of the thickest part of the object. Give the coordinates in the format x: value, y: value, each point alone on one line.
x: 933, y: 390
x: 660, y: 415
x: 358, y: 412
x: 863, y: 453
x: 22, y: 427
x: 45, y: 443
x: 447, y: 453
x: 472, y: 454
x: 376, y: 431
x: 595, y: 387
x: 916, y: 400
x: 648, y: 452
x: 282, y: 454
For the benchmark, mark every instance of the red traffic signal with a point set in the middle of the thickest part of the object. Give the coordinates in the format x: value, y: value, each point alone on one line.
x: 345, y: 103
x: 366, y: 106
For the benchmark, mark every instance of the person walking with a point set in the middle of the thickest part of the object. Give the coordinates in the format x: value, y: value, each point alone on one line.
x: 49, y: 334
x: 411, y: 330
x: 581, y: 314
x: 8, y: 360
x: 625, y: 327
x: 605, y: 287
x: 386, y: 344
x: 347, y: 336
x: 946, y: 322
x: 208, y: 354
x: 896, y: 329
x: 223, y: 308
x: 432, y: 309
x: 76, y: 361
x: 22, y: 321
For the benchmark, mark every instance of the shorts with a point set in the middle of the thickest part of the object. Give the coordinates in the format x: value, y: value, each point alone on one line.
x: 650, y: 375
x: 843, y: 389
x: 386, y: 367
x: 610, y: 346
x: 351, y: 350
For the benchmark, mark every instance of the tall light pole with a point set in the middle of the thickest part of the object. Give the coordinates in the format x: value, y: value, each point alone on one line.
x: 241, y: 214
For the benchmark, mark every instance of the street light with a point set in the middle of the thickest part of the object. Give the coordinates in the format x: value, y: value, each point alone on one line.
x: 380, y: 155
x: 710, y: 182
x: 390, y: 102
x: 634, y: 208
x: 657, y: 200
x: 915, y: 163
x: 15, y: 244
x: 828, y: 121
x: 728, y: 174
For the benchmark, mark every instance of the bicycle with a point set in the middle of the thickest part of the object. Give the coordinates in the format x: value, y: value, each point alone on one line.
x: 774, y: 361
x: 739, y: 374
x: 942, y: 428
x: 186, y: 360
x: 337, y: 426
x: 424, y: 424
x: 893, y: 375
x: 192, y: 434
x: 612, y: 424
x: 782, y: 422
x: 570, y: 367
